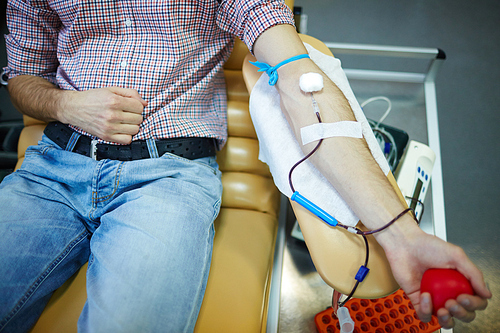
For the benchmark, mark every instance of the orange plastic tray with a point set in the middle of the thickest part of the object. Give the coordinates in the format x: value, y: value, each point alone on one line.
x: 391, y: 314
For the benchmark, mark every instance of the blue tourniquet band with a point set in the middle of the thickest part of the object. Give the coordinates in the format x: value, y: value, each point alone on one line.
x: 272, y: 71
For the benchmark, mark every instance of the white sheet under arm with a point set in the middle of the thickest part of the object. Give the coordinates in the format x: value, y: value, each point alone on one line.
x: 280, y: 149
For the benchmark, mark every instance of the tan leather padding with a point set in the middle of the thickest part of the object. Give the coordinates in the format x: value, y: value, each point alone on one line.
x: 336, y: 253
x: 241, y: 154
x: 236, y: 89
x: 28, y: 121
x: 239, y: 122
x: 239, y: 272
x: 30, y: 135
x: 248, y: 191
x: 239, y: 52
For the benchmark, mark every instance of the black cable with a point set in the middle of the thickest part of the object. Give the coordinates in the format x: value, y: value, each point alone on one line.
x: 423, y: 208
x: 367, y: 256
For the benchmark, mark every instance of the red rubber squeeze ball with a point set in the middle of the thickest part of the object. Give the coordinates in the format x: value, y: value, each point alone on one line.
x: 444, y: 284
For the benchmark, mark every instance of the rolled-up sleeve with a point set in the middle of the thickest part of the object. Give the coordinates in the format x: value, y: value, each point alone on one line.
x: 247, y: 19
x: 32, y: 40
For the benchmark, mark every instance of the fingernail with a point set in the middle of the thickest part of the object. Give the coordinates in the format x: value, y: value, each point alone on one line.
x: 465, y: 302
x: 487, y: 285
x: 445, y: 318
x: 454, y: 308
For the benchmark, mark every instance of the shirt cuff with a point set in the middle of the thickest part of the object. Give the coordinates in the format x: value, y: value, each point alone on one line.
x: 264, y: 17
x: 10, y: 73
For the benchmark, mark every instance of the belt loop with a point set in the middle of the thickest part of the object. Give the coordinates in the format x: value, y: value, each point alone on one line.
x: 93, y: 149
x: 72, y: 141
x: 216, y: 144
x: 152, y: 149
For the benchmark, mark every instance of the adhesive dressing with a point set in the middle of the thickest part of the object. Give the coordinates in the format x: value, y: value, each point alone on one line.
x: 315, y: 132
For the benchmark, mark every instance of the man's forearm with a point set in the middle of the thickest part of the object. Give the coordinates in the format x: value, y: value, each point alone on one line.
x: 35, y: 97
x: 346, y: 162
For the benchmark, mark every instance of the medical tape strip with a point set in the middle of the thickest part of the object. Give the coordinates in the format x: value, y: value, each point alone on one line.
x: 315, y: 132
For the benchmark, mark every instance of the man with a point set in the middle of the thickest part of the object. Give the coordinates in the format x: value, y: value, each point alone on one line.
x: 120, y: 81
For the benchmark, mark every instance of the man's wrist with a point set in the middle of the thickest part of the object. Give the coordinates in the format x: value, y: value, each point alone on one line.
x: 62, y: 103
x: 44, y: 101
x: 401, y: 231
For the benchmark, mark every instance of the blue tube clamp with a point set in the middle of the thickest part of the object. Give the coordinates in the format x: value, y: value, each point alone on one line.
x: 301, y: 200
x: 360, y: 276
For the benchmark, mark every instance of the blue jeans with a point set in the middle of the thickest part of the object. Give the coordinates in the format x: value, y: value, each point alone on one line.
x: 145, y: 227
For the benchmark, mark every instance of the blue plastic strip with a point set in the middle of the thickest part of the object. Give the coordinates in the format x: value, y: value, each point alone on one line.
x: 153, y: 150
x: 72, y: 141
x: 387, y: 148
x: 272, y: 71
x: 360, y: 276
x: 301, y: 200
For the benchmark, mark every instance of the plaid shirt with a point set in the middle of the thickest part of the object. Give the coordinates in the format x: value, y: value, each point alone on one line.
x: 171, y: 51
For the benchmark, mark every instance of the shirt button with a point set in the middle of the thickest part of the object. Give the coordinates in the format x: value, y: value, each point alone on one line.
x: 123, y: 64
x: 128, y: 22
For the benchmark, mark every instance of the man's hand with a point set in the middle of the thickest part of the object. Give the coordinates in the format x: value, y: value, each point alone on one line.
x: 112, y: 114
x: 413, y: 255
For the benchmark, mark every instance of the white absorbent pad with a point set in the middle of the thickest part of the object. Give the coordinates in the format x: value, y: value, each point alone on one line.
x: 279, y: 148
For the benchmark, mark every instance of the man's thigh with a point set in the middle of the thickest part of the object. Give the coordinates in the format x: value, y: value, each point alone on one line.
x: 42, y: 244
x: 152, y: 250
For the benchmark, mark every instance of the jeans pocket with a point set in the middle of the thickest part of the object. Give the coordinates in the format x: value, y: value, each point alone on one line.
x: 209, y: 162
x: 43, y: 146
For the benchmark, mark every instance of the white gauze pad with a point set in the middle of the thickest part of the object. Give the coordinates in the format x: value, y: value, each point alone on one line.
x: 311, y: 82
x: 315, y: 132
x: 279, y: 148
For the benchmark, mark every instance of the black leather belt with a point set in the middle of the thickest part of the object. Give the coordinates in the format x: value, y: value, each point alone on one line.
x: 190, y: 148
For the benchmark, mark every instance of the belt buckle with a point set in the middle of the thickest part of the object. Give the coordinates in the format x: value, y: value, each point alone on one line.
x: 93, y: 149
